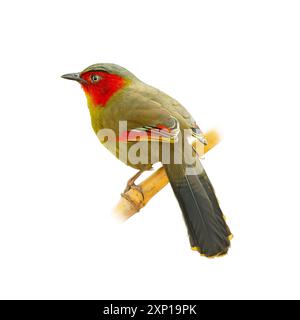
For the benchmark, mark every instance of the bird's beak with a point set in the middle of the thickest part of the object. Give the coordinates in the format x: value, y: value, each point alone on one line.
x: 74, y: 76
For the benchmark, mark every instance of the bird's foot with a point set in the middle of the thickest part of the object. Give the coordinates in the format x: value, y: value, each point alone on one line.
x: 131, y: 184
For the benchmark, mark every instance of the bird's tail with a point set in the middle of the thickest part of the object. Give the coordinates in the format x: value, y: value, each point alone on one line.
x: 207, y: 229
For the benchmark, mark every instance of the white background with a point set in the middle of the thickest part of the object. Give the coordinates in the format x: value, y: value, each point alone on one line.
x: 233, y: 64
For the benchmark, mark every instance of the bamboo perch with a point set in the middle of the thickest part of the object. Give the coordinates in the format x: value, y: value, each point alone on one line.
x: 138, y: 196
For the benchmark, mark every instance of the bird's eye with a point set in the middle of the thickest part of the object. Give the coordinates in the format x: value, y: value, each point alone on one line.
x: 95, y: 78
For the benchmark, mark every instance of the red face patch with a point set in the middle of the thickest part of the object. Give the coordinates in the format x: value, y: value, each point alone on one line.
x: 101, y: 86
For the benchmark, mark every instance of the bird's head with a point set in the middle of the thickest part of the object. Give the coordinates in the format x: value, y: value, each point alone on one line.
x: 101, y: 81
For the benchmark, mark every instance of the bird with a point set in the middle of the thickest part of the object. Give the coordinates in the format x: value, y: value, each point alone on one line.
x: 156, y: 121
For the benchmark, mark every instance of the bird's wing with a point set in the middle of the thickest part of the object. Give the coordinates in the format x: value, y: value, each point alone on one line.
x: 156, y: 125
x: 145, y: 119
x: 150, y: 115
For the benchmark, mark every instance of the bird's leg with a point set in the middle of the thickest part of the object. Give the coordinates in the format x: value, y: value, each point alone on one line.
x: 130, y: 182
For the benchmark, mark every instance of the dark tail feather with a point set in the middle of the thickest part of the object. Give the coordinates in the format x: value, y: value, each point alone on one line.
x: 207, y: 229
